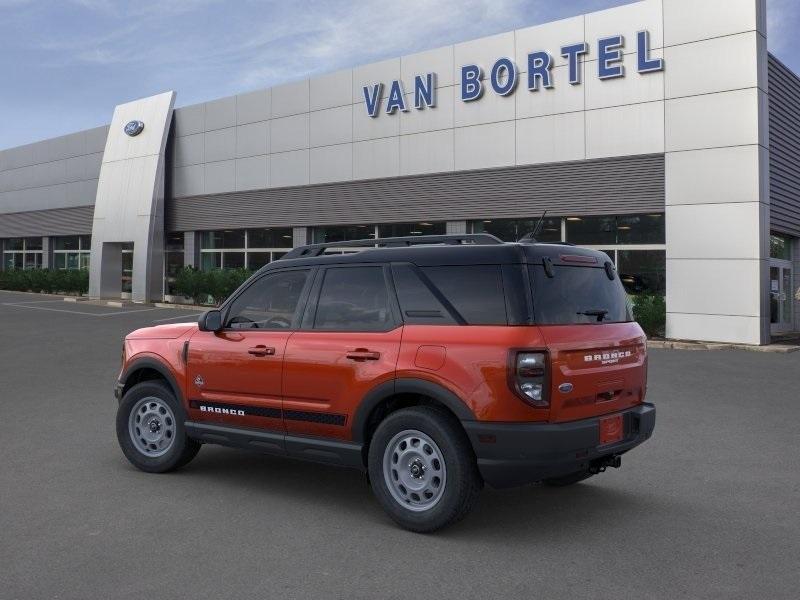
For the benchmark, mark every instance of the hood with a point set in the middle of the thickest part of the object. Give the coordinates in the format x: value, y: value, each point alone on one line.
x: 162, y: 332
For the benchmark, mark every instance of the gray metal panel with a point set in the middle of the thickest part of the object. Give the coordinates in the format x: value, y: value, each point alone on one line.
x: 784, y: 148
x: 59, y: 221
x: 633, y: 184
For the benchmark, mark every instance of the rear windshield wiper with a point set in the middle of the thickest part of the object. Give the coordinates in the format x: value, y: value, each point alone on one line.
x: 598, y: 312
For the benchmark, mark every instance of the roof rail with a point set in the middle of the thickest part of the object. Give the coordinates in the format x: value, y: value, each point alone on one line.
x: 311, y: 250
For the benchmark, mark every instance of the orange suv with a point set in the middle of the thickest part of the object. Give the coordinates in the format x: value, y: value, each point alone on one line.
x: 432, y: 363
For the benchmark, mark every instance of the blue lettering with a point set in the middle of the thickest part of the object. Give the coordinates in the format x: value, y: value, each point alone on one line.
x: 371, y: 96
x: 425, y: 91
x: 471, y: 85
x: 647, y: 64
x: 397, y: 100
x: 539, y: 65
x: 504, y: 67
x: 573, y: 55
x: 609, y: 52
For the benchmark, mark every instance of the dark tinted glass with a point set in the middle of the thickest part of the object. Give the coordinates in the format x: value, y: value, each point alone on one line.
x: 592, y: 231
x: 640, y: 229
x: 269, y: 238
x: 341, y: 233
x: 14, y: 244
x: 256, y: 260
x: 173, y: 242
x: 86, y: 242
x: 409, y: 229
x: 476, y: 292
x: 228, y: 239
x: 512, y: 230
x: 643, y: 271
x: 417, y: 303
x: 354, y: 299
x: 233, y: 260
x: 67, y: 243
x: 780, y: 247
x: 270, y: 303
x: 572, y: 292
x: 33, y: 243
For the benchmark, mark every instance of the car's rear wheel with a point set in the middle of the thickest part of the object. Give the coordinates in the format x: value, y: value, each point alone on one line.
x: 150, y: 429
x: 422, y: 469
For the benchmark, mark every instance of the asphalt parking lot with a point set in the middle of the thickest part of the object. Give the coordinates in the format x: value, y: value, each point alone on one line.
x: 709, y: 508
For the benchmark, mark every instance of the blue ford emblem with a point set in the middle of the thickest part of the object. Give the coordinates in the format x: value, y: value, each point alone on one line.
x: 565, y: 388
x: 134, y: 128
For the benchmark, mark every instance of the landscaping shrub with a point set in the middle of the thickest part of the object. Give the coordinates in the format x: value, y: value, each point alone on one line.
x: 650, y: 311
x: 209, y: 287
x: 51, y: 281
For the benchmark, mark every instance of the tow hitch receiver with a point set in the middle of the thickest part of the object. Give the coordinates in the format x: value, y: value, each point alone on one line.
x: 601, y: 464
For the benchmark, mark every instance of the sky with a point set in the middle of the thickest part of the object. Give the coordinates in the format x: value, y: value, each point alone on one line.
x: 65, y: 64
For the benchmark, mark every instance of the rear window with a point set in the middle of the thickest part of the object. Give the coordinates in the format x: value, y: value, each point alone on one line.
x: 475, y: 291
x: 578, y: 295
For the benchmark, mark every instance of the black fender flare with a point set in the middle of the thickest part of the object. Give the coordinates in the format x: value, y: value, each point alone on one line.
x: 406, y: 386
x: 156, y: 365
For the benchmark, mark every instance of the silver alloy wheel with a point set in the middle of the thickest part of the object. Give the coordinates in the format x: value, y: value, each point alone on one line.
x: 414, y: 470
x: 151, y: 426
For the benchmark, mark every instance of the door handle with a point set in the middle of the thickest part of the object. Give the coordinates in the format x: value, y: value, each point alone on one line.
x: 261, y: 351
x: 360, y: 354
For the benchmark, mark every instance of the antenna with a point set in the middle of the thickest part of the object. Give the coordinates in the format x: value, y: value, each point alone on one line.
x: 539, y: 225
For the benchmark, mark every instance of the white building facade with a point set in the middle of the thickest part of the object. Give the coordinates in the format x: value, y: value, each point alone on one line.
x: 660, y: 132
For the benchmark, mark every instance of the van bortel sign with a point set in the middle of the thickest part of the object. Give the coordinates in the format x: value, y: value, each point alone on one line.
x: 504, y: 75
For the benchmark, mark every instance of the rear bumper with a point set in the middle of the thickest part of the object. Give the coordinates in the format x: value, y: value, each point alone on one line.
x: 512, y: 454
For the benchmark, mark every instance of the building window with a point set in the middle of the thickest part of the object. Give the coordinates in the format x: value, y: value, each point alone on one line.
x: 342, y: 233
x: 173, y: 260
x: 643, y: 271
x: 513, y: 230
x: 72, y: 252
x: 240, y: 248
x: 22, y: 253
x: 617, y: 230
x: 780, y: 247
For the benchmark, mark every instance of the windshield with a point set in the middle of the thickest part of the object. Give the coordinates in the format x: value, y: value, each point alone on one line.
x: 578, y: 295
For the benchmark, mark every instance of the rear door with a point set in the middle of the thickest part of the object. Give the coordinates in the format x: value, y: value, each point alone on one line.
x: 234, y: 375
x: 349, y: 342
x: 597, y: 353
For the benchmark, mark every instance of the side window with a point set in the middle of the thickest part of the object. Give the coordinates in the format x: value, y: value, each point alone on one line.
x: 353, y: 299
x: 476, y: 292
x: 417, y: 302
x: 270, y: 303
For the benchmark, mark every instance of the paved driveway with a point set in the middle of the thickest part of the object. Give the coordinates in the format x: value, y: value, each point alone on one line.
x: 709, y: 508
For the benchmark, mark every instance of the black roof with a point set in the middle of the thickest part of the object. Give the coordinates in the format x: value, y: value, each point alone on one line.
x: 424, y: 253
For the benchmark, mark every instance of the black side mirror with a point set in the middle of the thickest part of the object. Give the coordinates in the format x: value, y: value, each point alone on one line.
x: 210, y: 321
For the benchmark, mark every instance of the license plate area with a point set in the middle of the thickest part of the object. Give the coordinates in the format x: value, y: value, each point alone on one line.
x: 612, y: 430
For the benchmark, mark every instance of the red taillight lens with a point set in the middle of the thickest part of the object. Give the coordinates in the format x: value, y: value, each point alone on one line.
x: 529, y: 378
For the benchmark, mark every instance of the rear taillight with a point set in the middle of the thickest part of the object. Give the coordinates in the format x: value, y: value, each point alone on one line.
x: 528, y: 377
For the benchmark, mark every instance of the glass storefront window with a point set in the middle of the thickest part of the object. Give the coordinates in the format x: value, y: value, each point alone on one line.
x: 640, y: 229
x: 592, y: 231
x: 210, y: 261
x: 256, y: 260
x: 22, y: 253
x: 233, y: 260
x: 33, y: 243
x: 341, y: 233
x: 512, y: 230
x: 15, y: 244
x: 411, y: 229
x: 223, y: 240
x: 71, y: 242
x: 643, y: 271
x: 269, y: 238
x: 72, y: 251
x: 780, y: 247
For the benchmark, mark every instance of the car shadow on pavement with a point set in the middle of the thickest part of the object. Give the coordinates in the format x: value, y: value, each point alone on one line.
x: 533, y: 511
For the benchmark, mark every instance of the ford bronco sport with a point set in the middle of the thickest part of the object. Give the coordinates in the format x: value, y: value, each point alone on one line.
x: 433, y: 363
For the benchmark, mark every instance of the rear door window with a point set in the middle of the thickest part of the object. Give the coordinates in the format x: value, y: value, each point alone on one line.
x: 354, y: 299
x: 475, y: 291
x: 418, y: 302
x: 578, y: 295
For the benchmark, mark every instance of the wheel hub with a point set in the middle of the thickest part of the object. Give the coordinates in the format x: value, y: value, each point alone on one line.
x: 414, y: 470
x: 151, y: 426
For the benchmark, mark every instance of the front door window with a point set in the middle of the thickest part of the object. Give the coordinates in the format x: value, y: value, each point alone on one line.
x: 780, y: 297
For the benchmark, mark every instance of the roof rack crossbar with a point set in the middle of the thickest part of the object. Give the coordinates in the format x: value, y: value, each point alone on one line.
x: 312, y: 250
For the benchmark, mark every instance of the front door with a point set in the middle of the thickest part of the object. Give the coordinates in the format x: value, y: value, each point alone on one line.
x: 348, y: 344
x: 781, y: 296
x: 234, y: 375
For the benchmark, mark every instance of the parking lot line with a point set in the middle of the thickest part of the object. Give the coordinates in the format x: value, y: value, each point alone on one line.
x: 178, y: 317
x: 78, y: 312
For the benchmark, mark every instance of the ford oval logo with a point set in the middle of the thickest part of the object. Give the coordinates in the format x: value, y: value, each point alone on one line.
x: 134, y: 128
x: 565, y: 388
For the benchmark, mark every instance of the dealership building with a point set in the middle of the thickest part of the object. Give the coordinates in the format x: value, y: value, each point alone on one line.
x: 662, y: 132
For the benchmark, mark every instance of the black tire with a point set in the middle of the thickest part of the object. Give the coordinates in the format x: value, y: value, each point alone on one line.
x: 570, y: 479
x: 182, y: 449
x: 463, y: 481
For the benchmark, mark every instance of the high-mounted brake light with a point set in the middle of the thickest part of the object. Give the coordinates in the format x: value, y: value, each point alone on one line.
x: 528, y: 377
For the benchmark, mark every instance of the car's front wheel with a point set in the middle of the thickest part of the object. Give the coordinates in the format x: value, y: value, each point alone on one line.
x: 422, y: 469
x: 150, y: 429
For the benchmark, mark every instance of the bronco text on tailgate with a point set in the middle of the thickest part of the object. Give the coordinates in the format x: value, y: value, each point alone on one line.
x: 435, y: 364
